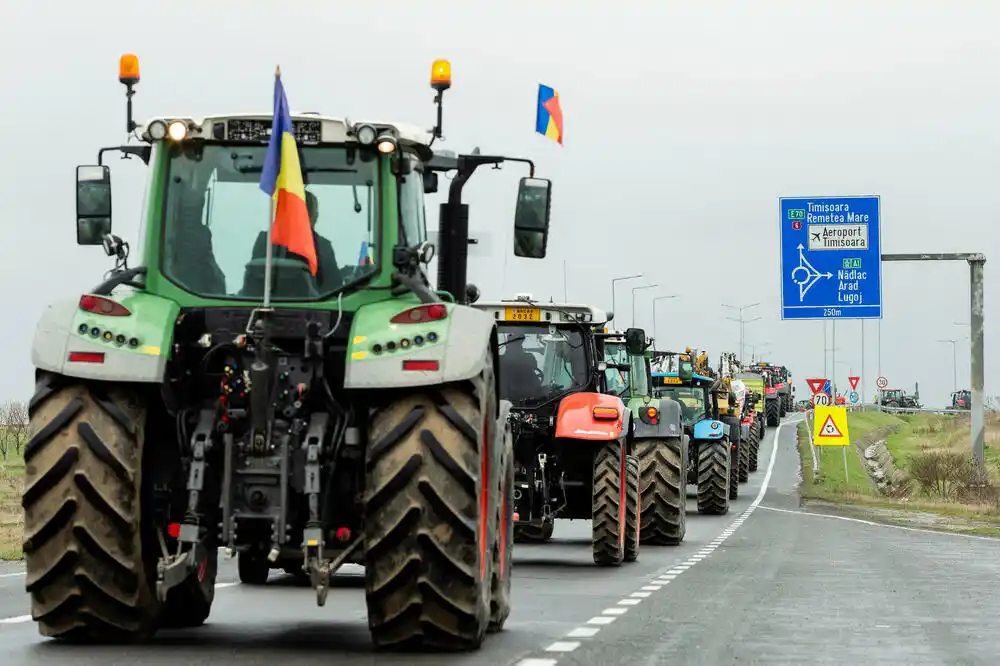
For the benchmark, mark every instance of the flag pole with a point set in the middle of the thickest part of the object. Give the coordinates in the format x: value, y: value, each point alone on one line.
x: 268, y: 257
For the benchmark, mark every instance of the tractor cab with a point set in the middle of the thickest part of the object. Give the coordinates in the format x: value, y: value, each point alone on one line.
x: 961, y: 399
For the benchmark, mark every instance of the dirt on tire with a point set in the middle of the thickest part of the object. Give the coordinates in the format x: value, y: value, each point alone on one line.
x: 428, y: 557
x: 663, y: 486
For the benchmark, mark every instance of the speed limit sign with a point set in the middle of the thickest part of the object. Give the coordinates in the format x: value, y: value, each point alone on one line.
x: 821, y: 400
x: 881, y: 382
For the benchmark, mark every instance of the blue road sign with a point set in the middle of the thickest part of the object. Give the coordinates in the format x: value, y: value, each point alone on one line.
x: 831, y: 258
x: 827, y: 389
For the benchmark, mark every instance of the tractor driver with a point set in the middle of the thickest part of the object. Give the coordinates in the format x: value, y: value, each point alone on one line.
x: 327, y: 271
x: 519, y: 371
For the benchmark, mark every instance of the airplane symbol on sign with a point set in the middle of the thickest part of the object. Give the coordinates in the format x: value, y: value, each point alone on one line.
x: 816, y: 237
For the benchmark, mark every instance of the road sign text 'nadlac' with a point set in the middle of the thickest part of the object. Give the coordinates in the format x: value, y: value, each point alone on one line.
x: 831, y: 258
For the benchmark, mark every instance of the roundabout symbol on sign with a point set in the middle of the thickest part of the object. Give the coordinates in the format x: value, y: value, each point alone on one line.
x: 881, y: 382
x: 854, y: 397
x: 821, y: 400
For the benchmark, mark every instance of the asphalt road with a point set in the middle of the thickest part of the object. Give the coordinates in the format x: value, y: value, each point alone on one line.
x: 767, y: 584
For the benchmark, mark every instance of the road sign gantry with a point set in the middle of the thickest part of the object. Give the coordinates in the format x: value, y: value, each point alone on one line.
x: 831, y: 261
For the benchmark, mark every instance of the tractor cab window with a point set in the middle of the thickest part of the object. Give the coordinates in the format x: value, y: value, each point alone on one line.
x: 216, y: 220
x: 537, y: 364
x: 615, y: 379
x: 412, y: 204
x: 694, y: 407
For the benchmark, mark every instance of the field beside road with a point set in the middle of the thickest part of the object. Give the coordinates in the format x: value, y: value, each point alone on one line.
x: 11, y: 517
x: 925, y: 457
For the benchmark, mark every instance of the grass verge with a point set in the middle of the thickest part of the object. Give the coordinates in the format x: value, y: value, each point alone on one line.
x: 906, y: 437
x: 11, y: 514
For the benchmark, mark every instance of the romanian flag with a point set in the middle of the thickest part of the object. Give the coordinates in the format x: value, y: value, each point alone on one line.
x: 282, y: 180
x: 548, y: 117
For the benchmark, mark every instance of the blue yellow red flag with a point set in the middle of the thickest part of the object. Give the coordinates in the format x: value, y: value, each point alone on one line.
x: 281, y: 178
x: 549, y: 117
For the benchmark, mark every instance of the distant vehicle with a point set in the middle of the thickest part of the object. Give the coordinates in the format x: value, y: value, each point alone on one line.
x: 961, y: 399
x: 899, y: 398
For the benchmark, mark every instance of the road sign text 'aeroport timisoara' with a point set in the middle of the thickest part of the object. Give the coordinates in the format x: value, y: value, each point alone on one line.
x: 831, y: 261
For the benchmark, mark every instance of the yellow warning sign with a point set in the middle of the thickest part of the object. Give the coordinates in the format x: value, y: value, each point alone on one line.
x: 830, y: 426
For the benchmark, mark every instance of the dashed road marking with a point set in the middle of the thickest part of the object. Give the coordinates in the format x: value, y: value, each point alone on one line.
x: 609, y: 615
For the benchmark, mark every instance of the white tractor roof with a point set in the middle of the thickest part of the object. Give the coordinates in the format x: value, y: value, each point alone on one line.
x: 529, y: 312
x: 333, y: 129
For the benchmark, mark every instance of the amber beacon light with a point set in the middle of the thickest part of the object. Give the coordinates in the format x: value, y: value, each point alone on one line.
x: 128, y: 69
x: 440, y: 75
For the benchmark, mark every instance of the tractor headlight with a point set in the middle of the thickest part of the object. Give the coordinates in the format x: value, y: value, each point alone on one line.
x: 157, y: 130
x: 177, y: 130
x: 366, y: 134
x: 386, y: 144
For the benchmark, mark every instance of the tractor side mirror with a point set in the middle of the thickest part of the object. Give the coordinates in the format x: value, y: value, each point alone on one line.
x: 93, y: 204
x: 635, y: 341
x: 531, y: 218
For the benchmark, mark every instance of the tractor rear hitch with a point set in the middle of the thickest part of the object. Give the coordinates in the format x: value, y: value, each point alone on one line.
x: 321, y: 570
x: 172, y: 570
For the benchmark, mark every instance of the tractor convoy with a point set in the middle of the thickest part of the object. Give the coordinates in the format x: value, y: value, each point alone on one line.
x: 233, y: 394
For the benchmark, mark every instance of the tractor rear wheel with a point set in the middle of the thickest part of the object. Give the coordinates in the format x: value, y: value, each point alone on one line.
x: 734, y: 469
x: 772, y: 414
x: 608, y: 537
x: 663, y: 490
x: 189, y: 604
x: 755, y: 435
x: 89, y: 572
x: 746, y: 445
x: 253, y: 568
x: 503, y: 548
x: 633, y: 509
x: 713, y: 476
x: 430, y: 517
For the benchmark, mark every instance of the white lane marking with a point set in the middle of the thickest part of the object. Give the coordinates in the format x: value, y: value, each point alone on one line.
x: 15, y: 620
x: 874, y: 524
x: 583, y: 632
x: 563, y: 646
x: 609, y: 615
x: 12, y: 575
x: 601, y: 620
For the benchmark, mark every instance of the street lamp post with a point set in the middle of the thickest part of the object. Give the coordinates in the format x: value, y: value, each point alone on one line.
x: 753, y: 349
x: 619, y: 279
x: 954, y: 363
x: 635, y: 289
x: 742, y: 321
x: 655, y: 300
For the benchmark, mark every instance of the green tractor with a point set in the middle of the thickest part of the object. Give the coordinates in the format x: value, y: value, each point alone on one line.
x: 657, y: 434
x: 754, y: 415
x: 349, y: 414
x: 772, y: 397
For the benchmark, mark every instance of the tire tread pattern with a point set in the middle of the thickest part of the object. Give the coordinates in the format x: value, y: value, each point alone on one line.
x: 713, y: 477
x: 632, y: 510
x: 663, y: 485
x: 607, y: 528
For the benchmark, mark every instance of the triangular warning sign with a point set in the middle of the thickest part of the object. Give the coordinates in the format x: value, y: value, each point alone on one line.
x: 854, y: 382
x: 815, y: 385
x: 829, y: 428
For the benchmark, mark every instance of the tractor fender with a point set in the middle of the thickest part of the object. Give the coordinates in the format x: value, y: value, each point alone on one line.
x: 464, y: 343
x: 668, y: 422
x: 744, y: 432
x: 575, y: 417
x: 65, y: 341
x: 710, y: 429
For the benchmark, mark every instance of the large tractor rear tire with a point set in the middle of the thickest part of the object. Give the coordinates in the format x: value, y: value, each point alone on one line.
x: 663, y: 490
x: 430, y: 517
x: 713, y: 477
x: 253, y: 568
x: 608, y: 537
x: 734, y: 469
x: 528, y: 533
x: 754, y: 444
x: 746, y: 446
x: 503, y: 549
x: 633, y: 509
x: 771, y: 413
x: 88, y: 573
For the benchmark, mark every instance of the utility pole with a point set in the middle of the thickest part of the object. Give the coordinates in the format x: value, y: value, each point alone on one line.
x: 655, y: 300
x: 635, y: 289
x: 619, y: 279
x: 741, y: 320
x: 954, y: 362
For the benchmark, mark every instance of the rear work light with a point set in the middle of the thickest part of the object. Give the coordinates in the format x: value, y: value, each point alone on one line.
x: 86, y: 357
x: 606, y: 413
x: 426, y: 366
x: 103, y: 306
x: 421, y: 314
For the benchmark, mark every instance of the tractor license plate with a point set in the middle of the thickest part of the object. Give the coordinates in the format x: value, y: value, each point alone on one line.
x: 672, y: 380
x: 522, y: 314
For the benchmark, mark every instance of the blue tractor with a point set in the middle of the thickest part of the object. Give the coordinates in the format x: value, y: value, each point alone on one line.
x: 711, y: 448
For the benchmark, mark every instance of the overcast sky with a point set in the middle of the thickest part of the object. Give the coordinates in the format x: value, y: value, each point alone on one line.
x: 684, y: 124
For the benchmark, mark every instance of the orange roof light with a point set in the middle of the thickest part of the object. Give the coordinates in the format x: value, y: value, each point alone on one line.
x: 441, y: 75
x: 128, y: 69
